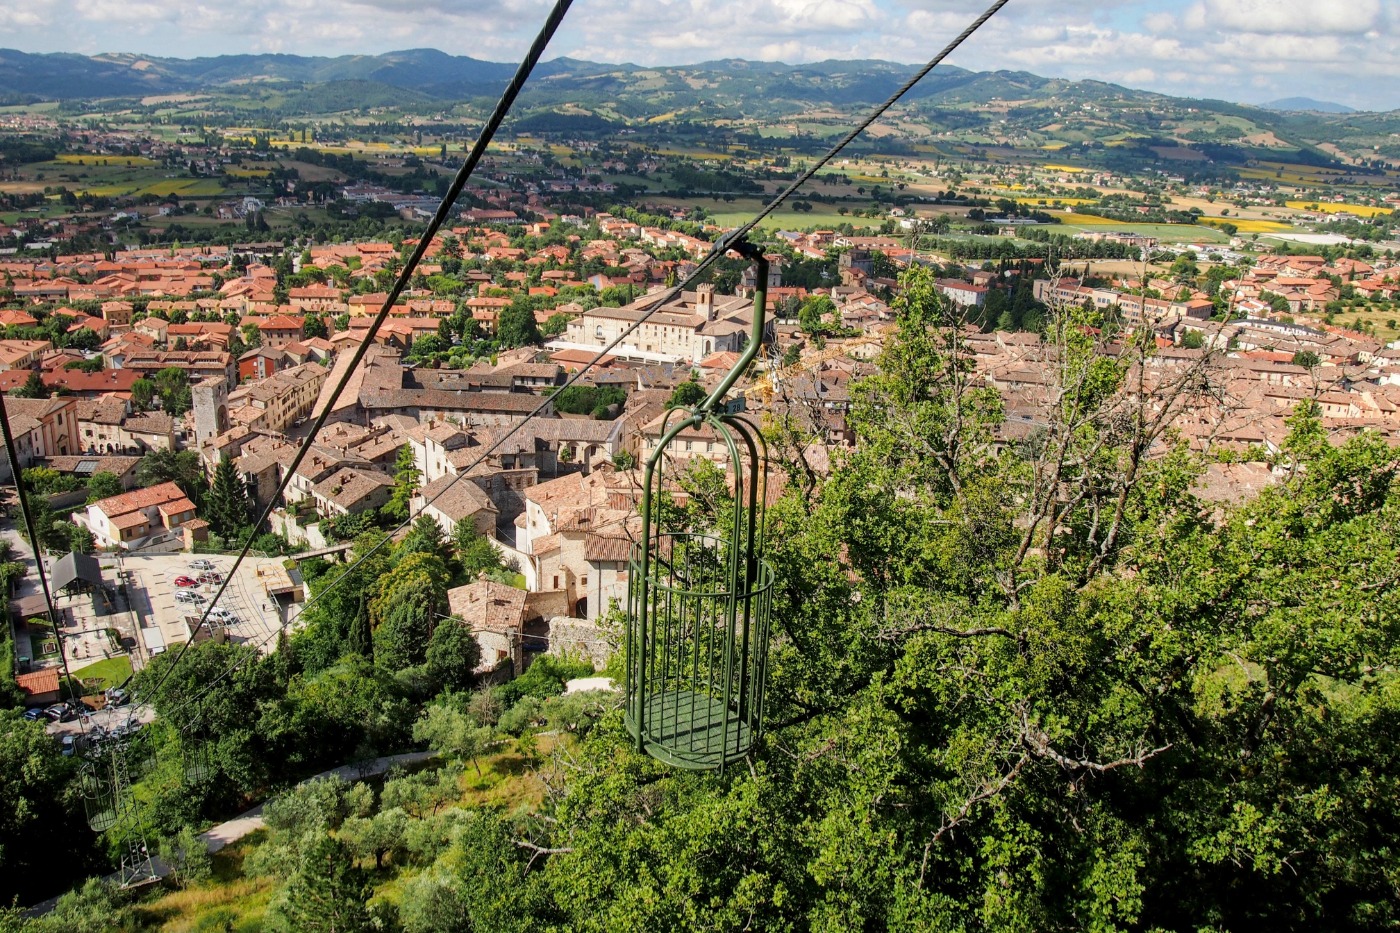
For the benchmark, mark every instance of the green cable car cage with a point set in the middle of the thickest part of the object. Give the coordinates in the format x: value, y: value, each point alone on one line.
x: 698, y: 604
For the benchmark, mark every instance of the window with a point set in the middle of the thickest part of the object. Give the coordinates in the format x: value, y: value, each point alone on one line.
x: 583, y: 580
x: 556, y: 582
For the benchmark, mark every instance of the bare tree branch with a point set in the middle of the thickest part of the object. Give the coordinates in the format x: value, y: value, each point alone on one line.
x: 1035, y: 741
x: 985, y: 792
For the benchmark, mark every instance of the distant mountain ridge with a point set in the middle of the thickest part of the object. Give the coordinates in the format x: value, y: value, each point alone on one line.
x: 569, y: 95
x: 1307, y: 103
x: 59, y: 76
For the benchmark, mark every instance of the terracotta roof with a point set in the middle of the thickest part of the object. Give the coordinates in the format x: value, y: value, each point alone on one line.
x: 281, y: 322
x: 104, y: 380
x: 37, y: 683
x: 349, y: 487
x: 456, y: 499
x: 151, y: 422
x: 92, y: 464
x: 162, y: 494
x: 516, y: 402
x: 607, y: 548
x: 488, y: 606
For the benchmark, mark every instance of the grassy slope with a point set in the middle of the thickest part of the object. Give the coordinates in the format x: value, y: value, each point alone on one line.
x: 507, y: 782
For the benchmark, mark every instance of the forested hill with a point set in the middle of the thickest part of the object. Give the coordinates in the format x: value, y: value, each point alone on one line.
x: 424, y: 80
x: 730, y: 82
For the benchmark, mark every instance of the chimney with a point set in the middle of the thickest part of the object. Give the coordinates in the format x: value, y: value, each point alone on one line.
x: 705, y: 301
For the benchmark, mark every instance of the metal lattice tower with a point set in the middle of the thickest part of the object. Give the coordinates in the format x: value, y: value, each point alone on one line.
x: 105, y: 784
x: 698, y: 604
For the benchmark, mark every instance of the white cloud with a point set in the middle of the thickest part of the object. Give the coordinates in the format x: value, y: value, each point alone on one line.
x: 1352, y: 17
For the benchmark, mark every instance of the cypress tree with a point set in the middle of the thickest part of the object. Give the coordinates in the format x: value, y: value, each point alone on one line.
x: 360, y: 640
x: 228, y: 505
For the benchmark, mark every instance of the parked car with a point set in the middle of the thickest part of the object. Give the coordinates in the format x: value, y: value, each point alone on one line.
x: 211, y: 577
x: 117, y: 697
x: 33, y: 713
x: 220, y: 614
x: 190, y: 598
x: 201, y: 564
x: 69, y: 743
x: 61, y: 712
x: 186, y: 581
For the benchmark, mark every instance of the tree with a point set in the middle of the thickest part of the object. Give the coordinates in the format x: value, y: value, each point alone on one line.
x: 406, y: 478
x: 328, y: 892
x: 188, y: 857
x: 227, y: 506
x: 103, y: 485
x: 98, y: 904
x: 33, y: 387
x: 46, y: 481
x: 427, y: 347
x: 1184, y: 267
x: 1029, y: 686
x: 687, y: 395
x: 377, y: 836
x: 360, y: 639
x: 183, y: 468
x: 556, y: 324
x: 313, y: 325
x: 425, y: 536
x: 79, y: 539
x: 475, y: 551
x: 453, y: 655
x: 452, y: 732
x: 325, y: 636
x: 1307, y: 359
x: 173, y: 386
x: 435, y: 900
x: 84, y: 338
x: 143, y: 393
x: 407, y: 610
x: 818, y: 315
x: 516, y: 325
x: 588, y: 400
x: 40, y: 834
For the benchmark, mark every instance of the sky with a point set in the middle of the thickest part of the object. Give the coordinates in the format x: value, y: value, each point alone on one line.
x: 1250, y: 51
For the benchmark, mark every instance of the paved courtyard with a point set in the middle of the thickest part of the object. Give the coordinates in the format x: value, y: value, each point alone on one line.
x: 150, y: 585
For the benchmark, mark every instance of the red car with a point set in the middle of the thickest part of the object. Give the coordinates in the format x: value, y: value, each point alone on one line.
x: 186, y: 581
x: 211, y: 577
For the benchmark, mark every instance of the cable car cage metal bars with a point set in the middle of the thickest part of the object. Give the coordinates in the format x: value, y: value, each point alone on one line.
x: 698, y: 604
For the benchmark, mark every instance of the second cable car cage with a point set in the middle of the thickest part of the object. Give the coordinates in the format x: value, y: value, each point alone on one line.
x: 699, y: 602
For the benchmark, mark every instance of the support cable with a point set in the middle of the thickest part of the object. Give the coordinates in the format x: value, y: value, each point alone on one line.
x: 483, y: 140
x: 37, y: 546
x: 732, y: 240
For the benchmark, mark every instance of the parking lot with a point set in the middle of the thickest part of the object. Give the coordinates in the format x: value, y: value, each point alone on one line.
x: 254, y: 615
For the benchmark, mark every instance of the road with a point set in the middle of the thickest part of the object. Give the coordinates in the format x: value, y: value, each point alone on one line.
x: 29, y: 583
x: 104, y: 719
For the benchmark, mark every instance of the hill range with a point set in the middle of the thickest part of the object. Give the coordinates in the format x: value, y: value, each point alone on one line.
x: 1023, y: 108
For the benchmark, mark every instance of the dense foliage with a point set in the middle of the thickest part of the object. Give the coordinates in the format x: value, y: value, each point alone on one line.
x: 1015, y: 685
x: 1047, y: 687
